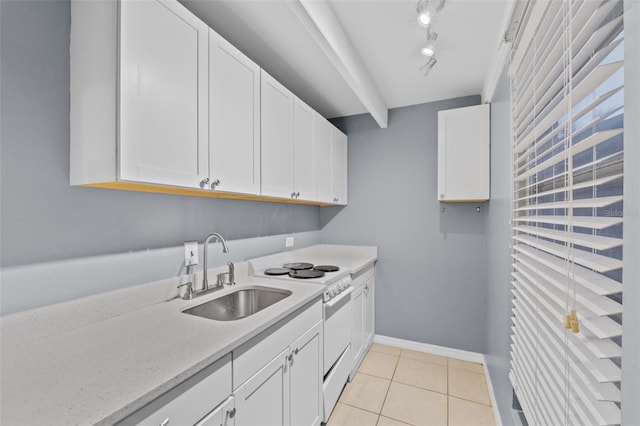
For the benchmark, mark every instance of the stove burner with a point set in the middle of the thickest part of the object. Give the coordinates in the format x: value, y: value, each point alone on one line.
x: 277, y: 271
x: 326, y: 268
x: 298, y: 266
x: 307, y: 273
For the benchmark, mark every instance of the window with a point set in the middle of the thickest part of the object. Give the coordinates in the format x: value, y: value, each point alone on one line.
x: 567, y: 111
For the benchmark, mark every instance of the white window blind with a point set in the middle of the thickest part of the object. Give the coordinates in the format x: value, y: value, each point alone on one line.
x: 567, y: 111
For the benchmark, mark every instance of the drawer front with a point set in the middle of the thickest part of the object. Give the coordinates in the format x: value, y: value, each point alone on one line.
x: 257, y: 352
x: 190, y: 401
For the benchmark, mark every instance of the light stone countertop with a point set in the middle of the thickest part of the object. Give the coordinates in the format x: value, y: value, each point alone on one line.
x: 104, y: 371
x: 98, y: 359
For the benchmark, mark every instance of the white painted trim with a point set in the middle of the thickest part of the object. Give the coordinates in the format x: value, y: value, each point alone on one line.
x: 450, y: 353
x: 323, y: 26
x: 492, y: 395
x: 499, y: 58
x: 432, y: 349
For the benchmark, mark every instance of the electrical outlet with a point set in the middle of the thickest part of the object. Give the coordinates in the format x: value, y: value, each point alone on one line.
x: 288, y: 242
x: 190, y: 253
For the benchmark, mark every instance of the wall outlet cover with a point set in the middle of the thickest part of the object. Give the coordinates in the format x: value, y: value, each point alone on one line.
x: 190, y: 253
x: 288, y: 242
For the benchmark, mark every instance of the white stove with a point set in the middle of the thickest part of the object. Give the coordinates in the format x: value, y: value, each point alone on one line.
x: 336, y: 299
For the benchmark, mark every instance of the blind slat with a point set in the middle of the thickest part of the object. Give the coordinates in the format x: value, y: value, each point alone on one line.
x: 593, y: 222
x: 596, y: 242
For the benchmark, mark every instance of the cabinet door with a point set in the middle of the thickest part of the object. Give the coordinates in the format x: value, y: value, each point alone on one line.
x: 357, y: 324
x: 463, y: 154
x: 324, y: 160
x: 234, y: 119
x: 163, y: 94
x: 277, y: 138
x: 339, y: 167
x: 369, y: 306
x: 264, y: 398
x: 304, y: 161
x: 306, y: 378
x: 222, y: 415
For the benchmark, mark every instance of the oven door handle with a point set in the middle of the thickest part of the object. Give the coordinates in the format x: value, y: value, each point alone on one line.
x: 338, y: 298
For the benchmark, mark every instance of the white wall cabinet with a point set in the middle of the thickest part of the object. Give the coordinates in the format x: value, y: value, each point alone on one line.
x: 234, y: 119
x: 277, y: 138
x: 339, y: 164
x: 157, y: 115
x: 463, y: 154
x: 304, y: 145
x: 162, y: 103
x: 331, y: 163
x: 324, y: 160
x: 363, y: 316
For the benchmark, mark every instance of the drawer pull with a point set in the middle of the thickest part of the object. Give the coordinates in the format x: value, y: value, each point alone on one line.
x: 231, y: 412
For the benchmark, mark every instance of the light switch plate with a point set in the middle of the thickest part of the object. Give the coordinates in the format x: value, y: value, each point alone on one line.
x: 190, y: 253
x: 288, y: 242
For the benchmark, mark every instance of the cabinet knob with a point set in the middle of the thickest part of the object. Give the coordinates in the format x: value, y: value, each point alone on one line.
x: 293, y: 195
x: 204, y: 183
x: 290, y: 357
x: 215, y: 183
x: 295, y: 352
x: 297, y: 194
x: 231, y: 412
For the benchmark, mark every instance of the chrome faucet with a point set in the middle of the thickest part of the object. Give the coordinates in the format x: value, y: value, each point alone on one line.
x: 225, y: 249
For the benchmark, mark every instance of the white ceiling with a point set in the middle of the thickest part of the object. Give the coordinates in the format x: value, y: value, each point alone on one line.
x: 384, y: 34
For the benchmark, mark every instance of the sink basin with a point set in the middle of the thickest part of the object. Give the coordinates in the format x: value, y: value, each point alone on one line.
x: 239, y: 304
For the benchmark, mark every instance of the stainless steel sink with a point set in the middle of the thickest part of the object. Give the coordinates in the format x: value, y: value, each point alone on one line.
x: 239, y: 304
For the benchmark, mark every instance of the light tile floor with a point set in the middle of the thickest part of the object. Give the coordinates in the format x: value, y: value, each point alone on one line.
x: 395, y: 387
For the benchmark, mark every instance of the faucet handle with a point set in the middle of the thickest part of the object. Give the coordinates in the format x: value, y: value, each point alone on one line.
x: 232, y: 273
x: 188, y: 294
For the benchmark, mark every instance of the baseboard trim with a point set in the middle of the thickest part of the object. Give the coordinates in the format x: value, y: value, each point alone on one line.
x: 450, y: 353
x: 492, y: 395
x: 432, y: 349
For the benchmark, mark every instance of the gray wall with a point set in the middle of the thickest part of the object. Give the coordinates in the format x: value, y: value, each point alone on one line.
x: 498, y: 231
x: 43, y: 219
x: 631, y: 273
x: 430, y: 282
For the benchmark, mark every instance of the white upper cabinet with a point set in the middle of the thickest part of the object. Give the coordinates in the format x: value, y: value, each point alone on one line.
x: 234, y: 119
x: 163, y: 94
x: 340, y: 159
x: 304, y: 160
x: 324, y: 160
x: 277, y: 138
x: 463, y: 154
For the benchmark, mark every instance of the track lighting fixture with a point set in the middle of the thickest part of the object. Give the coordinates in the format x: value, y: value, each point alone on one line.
x: 426, y: 9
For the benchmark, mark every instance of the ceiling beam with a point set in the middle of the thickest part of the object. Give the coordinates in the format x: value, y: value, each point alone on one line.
x: 320, y: 21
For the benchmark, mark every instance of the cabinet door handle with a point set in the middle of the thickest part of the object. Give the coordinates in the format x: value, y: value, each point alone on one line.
x: 293, y: 195
x: 231, y: 412
x: 290, y: 357
x: 204, y: 183
x: 297, y: 195
x: 295, y: 352
x: 215, y: 183
x: 165, y: 422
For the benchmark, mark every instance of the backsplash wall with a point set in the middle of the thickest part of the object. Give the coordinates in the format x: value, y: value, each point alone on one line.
x: 430, y: 277
x: 43, y: 219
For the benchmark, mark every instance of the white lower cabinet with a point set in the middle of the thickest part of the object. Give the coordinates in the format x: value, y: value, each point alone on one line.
x: 305, y: 375
x: 222, y: 415
x: 191, y: 401
x: 363, y: 316
x: 357, y: 327
x: 264, y: 399
x: 368, y: 311
x: 288, y: 390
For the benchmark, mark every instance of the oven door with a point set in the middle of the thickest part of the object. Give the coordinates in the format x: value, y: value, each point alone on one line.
x: 337, y: 327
